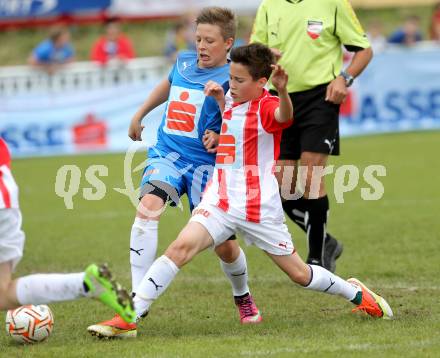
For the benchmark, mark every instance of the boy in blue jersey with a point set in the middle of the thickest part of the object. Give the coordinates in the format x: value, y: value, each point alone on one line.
x: 53, y: 53
x: 182, y: 160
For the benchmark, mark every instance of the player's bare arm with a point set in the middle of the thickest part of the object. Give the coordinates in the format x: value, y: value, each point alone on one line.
x: 337, y: 89
x: 284, y: 112
x: 158, y: 96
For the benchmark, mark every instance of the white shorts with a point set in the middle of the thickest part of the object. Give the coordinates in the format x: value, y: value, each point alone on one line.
x: 273, y: 238
x: 11, y: 236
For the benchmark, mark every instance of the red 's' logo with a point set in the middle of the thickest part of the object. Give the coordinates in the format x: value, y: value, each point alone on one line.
x: 92, y: 133
x: 181, y: 115
x: 226, y: 147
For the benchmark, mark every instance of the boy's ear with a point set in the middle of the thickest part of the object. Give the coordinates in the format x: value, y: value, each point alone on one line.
x: 229, y: 43
x: 262, y: 82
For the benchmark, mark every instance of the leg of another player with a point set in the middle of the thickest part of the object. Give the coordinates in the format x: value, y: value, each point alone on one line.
x: 286, y: 174
x: 314, y: 277
x: 8, y: 297
x: 310, y: 211
x: 317, y: 278
x: 144, y: 237
x: 293, y: 204
x: 315, y: 205
x: 193, y: 239
x: 95, y: 282
x: 233, y: 264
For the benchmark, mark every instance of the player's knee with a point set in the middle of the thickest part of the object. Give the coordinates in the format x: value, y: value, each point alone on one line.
x: 286, y: 175
x: 150, y: 207
x: 180, y: 251
x: 300, y: 275
x: 228, y: 251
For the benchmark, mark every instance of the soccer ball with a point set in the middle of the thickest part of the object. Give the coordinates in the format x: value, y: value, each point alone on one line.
x: 29, y: 324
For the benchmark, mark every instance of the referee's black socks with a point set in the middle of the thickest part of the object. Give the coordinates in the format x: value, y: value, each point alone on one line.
x: 311, y: 216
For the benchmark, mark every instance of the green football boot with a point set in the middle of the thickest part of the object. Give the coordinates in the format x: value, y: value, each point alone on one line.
x: 100, y: 285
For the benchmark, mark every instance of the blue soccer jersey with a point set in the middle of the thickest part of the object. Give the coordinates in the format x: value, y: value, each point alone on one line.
x: 179, y: 158
x: 188, y: 112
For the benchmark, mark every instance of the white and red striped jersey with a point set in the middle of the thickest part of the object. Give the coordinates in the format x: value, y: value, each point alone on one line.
x: 244, y: 184
x: 8, y: 187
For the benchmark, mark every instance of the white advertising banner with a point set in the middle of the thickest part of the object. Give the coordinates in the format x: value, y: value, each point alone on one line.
x: 160, y: 8
x: 400, y: 91
x: 76, y: 122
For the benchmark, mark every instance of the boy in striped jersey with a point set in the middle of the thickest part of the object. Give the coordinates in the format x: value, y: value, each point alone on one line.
x: 243, y: 194
x: 182, y: 160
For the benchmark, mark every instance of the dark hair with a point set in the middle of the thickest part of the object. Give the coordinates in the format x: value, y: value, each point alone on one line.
x: 413, y: 18
x: 257, y: 57
x: 112, y: 20
x: 220, y: 16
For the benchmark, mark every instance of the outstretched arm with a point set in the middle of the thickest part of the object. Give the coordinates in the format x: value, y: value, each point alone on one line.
x: 158, y: 96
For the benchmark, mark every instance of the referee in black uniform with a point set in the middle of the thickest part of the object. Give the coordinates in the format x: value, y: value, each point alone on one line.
x: 307, y: 36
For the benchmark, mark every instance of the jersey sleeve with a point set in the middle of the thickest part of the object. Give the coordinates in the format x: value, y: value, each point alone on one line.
x: 214, y: 115
x: 267, y: 114
x: 348, y: 28
x: 171, y: 74
x: 259, y: 30
x: 42, y: 52
x: 5, y: 156
x: 69, y: 52
x: 225, y: 87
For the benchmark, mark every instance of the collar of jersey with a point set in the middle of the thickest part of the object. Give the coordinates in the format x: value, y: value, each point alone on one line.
x: 294, y: 1
x: 264, y: 94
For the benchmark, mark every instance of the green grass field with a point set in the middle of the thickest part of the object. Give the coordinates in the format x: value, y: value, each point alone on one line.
x: 392, y: 244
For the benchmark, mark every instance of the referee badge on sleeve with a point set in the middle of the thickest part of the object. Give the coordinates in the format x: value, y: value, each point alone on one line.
x: 314, y: 29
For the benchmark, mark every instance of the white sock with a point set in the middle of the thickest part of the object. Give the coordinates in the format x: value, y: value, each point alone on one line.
x: 154, y: 283
x: 325, y: 281
x: 47, y: 288
x: 237, y: 274
x: 143, y: 247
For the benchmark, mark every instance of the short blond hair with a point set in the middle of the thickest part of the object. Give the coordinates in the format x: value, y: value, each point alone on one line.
x: 222, y: 17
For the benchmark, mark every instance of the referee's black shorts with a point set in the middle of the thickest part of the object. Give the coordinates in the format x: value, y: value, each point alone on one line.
x: 315, y: 127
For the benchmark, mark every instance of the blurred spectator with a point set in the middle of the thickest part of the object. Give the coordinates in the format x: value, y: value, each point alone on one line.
x: 54, y: 52
x: 113, y: 46
x: 409, y: 34
x: 181, y: 37
x: 377, y: 40
x: 435, y: 24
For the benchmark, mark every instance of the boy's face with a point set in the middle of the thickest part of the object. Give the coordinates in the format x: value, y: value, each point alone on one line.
x: 243, y: 87
x: 112, y: 31
x: 212, y: 48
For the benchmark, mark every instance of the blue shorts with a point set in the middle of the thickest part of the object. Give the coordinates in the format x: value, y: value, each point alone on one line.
x: 175, y: 178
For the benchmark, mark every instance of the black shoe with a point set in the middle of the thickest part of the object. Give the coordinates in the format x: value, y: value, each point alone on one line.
x: 333, y: 249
